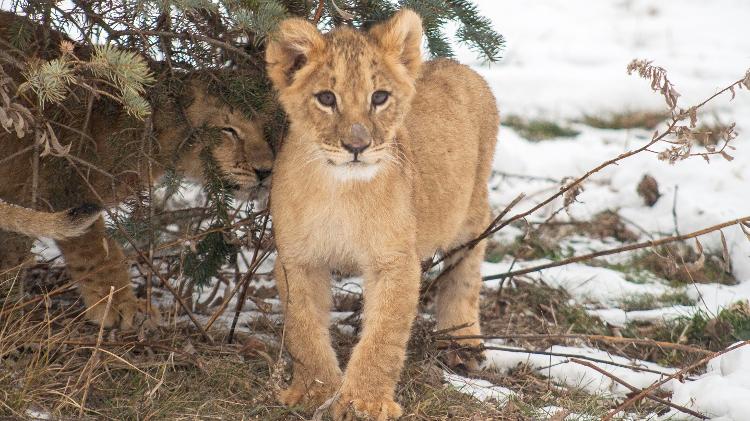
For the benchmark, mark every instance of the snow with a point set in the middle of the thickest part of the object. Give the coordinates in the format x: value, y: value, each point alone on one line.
x: 584, y: 283
x: 722, y: 393
x: 564, y: 372
x: 618, y: 317
x: 561, y: 71
x: 37, y: 415
x: 568, y: 59
x: 478, y: 388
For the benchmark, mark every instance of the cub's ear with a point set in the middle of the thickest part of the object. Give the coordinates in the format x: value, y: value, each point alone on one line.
x: 401, y: 35
x: 289, y: 49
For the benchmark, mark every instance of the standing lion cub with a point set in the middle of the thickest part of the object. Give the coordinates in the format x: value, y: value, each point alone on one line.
x: 386, y: 163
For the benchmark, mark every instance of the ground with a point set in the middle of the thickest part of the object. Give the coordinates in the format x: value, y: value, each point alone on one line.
x: 567, y: 105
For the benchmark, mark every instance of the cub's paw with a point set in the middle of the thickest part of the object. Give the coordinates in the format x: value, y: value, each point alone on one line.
x: 464, y: 360
x: 347, y: 408
x: 463, y: 356
x: 307, y: 397
x: 125, y: 313
x: 146, y: 315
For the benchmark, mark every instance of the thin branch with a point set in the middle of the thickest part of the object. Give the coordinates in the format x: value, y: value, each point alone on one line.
x: 635, y: 389
x: 630, y: 247
x: 597, y: 338
x: 497, y: 226
x: 319, y: 11
x: 569, y: 355
x: 679, y: 374
x: 193, y: 37
x: 255, y: 261
x: 131, y: 241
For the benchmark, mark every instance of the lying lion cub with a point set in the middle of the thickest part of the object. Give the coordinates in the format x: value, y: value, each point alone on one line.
x: 108, y: 161
x: 386, y: 163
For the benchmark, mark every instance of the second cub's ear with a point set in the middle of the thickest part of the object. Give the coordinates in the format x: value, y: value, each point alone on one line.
x: 289, y: 49
x: 401, y: 35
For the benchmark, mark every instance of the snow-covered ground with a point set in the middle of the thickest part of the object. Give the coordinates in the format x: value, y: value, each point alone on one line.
x: 567, y: 59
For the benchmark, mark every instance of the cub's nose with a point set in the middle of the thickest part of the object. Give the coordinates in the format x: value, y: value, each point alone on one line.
x: 262, y: 173
x: 359, y: 141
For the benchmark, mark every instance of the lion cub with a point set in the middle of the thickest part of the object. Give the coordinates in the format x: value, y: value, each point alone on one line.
x: 108, y: 163
x: 386, y: 163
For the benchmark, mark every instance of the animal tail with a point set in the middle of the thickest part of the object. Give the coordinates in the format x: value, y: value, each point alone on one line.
x: 56, y: 225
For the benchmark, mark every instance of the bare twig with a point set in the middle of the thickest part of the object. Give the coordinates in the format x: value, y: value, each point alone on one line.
x: 145, y: 259
x: 319, y: 11
x: 597, y: 338
x: 630, y: 247
x: 569, y: 355
x: 246, y: 278
x: 635, y: 389
x: 496, y: 225
x: 679, y: 374
x: 193, y: 37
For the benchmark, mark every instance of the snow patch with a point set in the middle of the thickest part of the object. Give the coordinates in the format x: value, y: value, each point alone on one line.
x: 478, y: 388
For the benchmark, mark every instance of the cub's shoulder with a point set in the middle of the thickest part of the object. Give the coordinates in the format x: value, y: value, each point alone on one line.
x: 454, y: 86
x: 444, y: 74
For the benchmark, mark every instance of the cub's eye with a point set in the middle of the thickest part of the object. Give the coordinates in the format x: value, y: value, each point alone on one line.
x: 326, y: 98
x: 229, y: 130
x: 380, y: 97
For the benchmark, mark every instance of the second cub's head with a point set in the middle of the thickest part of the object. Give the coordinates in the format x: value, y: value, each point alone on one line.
x: 347, y: 92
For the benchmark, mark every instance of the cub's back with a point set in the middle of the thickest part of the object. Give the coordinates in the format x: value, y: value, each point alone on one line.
x: 453, y: 126
x: 455, y: 113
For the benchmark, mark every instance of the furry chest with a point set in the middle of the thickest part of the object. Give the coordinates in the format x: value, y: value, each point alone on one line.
x: 329, y: 235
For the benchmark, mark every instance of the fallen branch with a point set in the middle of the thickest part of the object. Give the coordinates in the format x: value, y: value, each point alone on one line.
x: 134, y: 344
x: 635, y: 389
x: 630, y: 247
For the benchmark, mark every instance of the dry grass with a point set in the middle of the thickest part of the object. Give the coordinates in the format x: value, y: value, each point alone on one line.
x: 171, y: 373
x: 626, y: 120
x: 537, y: 130
x: 47, y: 352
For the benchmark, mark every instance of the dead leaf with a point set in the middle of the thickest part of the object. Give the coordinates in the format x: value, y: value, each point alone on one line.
x: 648, y: 189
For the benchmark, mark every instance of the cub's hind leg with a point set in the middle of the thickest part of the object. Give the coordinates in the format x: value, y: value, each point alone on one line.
x: 458, y: 294
x: 96, y: 263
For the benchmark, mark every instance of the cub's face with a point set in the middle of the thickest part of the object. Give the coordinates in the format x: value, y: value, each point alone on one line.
x: 243, y: 155
x: 347, y: 91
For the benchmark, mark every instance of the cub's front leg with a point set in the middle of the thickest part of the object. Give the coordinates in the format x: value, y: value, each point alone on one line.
x: 391, y: 298
x: 97, y: 263
x: 305, y: 295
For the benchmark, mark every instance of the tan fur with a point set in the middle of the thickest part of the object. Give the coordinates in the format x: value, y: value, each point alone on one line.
x: 115, y: 170
x: 55, y: 225
x: 420, y: 188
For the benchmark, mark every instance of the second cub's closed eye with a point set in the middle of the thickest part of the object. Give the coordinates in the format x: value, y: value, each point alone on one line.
x: 326, y: 98
x: 380, y: 97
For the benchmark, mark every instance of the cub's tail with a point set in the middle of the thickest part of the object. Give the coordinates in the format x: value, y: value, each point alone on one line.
x: 56, y: 225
